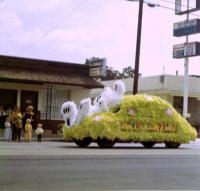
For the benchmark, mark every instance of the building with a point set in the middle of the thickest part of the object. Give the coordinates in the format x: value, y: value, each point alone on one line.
x: 43, y: 84
x: 170, y: 88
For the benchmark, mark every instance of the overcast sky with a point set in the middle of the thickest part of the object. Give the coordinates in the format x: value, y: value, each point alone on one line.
x: 74, y: 30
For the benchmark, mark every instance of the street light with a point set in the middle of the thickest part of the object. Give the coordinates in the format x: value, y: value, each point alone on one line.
x: 138, y: 42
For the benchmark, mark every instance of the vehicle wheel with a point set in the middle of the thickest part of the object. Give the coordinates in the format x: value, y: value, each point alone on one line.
x: 148, y: 144
x: 172, y: 145
x: 84, y: 142
x: 105, y: 143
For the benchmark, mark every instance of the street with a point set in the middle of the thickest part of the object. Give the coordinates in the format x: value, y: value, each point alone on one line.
x: 63, y: 166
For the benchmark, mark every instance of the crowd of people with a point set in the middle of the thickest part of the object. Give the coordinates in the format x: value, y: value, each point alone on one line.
x: 16, y: 124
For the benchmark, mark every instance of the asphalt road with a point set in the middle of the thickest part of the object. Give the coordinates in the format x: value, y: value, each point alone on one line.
x: 55, y: 166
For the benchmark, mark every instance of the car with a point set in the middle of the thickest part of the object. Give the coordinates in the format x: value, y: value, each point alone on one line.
x: 140, y: 118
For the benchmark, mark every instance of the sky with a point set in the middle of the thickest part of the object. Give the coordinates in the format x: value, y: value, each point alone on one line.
x: 75, y: 30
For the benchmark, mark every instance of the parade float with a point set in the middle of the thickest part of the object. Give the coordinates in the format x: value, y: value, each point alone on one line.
x: 113, y: 118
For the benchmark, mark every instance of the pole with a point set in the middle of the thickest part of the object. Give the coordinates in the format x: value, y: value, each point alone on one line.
x: 186, y: 66
x: 47, y: 106
x: 137, y: 53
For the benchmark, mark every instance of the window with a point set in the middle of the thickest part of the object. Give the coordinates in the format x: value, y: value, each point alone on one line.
x: 53, y: 98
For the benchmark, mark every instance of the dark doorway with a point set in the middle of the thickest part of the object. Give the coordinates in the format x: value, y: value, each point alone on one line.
x: 178, y: 104
x: 29, y: 98
x: 8, y: 98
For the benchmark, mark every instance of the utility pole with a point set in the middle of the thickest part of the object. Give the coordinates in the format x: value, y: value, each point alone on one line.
x: 137, y: 53
x: 138, y: 42
x: 186, y: 66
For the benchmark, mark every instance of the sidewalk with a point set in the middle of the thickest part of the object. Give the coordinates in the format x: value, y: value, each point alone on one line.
x: 48, y: 136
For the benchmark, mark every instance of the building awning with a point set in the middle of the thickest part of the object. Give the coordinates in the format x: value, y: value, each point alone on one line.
x: 44, y: 78
x: 13, y: 69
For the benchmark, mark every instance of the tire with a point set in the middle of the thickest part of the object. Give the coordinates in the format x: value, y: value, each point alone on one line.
x: 84, y: 142
x: 172, y: 145
x: 105, y: 143
x: 147, y: 144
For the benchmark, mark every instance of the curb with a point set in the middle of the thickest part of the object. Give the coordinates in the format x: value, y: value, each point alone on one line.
x: 49, y: 139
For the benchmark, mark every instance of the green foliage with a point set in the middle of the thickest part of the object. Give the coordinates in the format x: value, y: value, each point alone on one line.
x: 112, y: 74
x: 128, y: 72
x: 136, y: 118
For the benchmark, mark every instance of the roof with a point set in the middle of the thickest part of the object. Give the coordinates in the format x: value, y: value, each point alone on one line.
x: 35, y: 71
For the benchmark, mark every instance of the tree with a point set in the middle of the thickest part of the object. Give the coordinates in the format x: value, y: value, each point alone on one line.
x: 112, y: 74
x: 128, y: 72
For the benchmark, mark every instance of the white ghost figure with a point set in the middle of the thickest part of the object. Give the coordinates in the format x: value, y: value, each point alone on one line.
x: 69, y: 112
x: 99, y: 105
x: 115, y: 95
x: 84, y: 110
x: 87, y: 109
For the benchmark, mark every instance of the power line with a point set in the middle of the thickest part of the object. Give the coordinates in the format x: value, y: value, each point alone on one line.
x: 73, y: 10
x: 53, y: 27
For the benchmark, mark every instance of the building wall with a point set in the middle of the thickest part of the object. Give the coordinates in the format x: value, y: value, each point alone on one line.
x: 19, y: 87
x: 58, y: 95
x: 52, y: 98
x: 194, y: 110
x: 78, y: 94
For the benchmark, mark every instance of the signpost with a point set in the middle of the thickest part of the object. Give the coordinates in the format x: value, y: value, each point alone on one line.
x: 187, y: 27
x: 186, y: 50
x: 181, y: 6
x: 97, y: 67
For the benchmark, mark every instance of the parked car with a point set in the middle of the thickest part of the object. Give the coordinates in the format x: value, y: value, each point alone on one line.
x: 137, y: 118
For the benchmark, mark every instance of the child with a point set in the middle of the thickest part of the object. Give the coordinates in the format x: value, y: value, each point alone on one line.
x: 8, y: 131
x: 39, y: 131
x: 28, y: 131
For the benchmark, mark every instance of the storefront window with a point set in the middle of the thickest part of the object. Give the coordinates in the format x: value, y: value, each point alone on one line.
x: 53, y: 98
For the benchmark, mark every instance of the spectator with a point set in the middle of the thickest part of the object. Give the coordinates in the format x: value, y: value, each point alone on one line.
x: 8, y: 110
x: 8, y: 131
x: 39, y: 132
x: 2, y: 112
x: 28, y: 115
x: 16, y: 118
x: 28, y: 131
x: 2, y: 116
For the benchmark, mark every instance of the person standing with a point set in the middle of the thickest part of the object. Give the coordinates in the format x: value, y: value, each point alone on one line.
x: 39, y: 132
x: 28, y: 115
x: 16, y: 124
x: 2, y: 116
x: 2, y: 112
x: 28, y: 131
x: 8, y: 131
x: 8, y: 110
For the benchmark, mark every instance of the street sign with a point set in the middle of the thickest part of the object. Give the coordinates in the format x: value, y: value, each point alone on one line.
x: 181, y: 6
x: 95, y: 72
x: 97, y: 67
x: 178, y: 51
x: 186, y: 50
x: 187, y: 27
